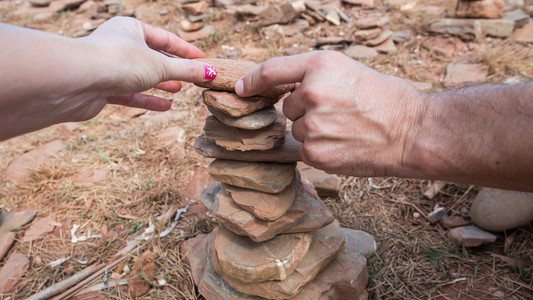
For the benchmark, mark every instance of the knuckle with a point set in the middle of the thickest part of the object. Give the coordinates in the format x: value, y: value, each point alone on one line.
x: 266, y: 71
x: 312, y: 154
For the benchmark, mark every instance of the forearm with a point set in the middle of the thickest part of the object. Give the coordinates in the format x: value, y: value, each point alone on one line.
x: 480, y: 135
x: 39, y: 72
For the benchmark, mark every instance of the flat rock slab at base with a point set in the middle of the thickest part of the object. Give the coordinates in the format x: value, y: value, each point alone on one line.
x: 328, y: 242
x: 470, y: 236
x: 236, y: 139
x: 344, y: 278
x: 14, y: 220
x: 326, y: 185
x: 243, y: 223
x: 17, y: 264
x: 233, y: 105
x: 286, y: 153
x: 360, y: 242
x: 265, y: 206
x: 254, y: 121
x: 499, y: 210
x: 264, y: 177
x: 197, y: 255
x: 229, y: 71
x: 245, y: 260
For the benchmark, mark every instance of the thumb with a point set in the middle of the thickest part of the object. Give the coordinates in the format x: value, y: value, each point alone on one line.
x: 188, y: 70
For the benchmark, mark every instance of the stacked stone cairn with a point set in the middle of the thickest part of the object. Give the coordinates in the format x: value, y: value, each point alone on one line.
x: 277, y: 240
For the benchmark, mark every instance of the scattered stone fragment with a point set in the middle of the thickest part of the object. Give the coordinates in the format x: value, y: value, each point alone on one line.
x: 317, y: 15
x: 14, y: 220
x: 436, y: 215
x: 367, y: 34
x: 188, y: 26
x: 235, y: 106
x: 445, y: 46
x: 16, y: 265
x: 464, y: 73
x: 387, y: 47
x: 172, y: 139
x: 524, y: 34
x: 434, y: 189
x: 241, y: 222
x: 363, y: 3
x: 490, y: 9
x: 294, y: 50
x: 422, y: 86
x: 249, y: 10
x: 385, y: 35
x: 331, y: 15
x: 371, y: 22
x: 326, y: 185
x: 529, y: 10
x: 39, y: 3
x: 205, y: 32
x: 499, y: 210
x: 265, y: 206
x: 330, y: 40
x: 265, y: 177
x: 6, y: 241
x: 248, y: 261
x: 141, y: 277
x: 470, y: 236
x: 328, y: 243
x: 359, y: 52
x: 317, y: 215
x: 230, y: 71
x: 236, y: 139
x: 254, y: 121
x: 453, y: 221
x: 344, y: 278
x: 197, y: 8
x: 197, y: 18
x: 21, y: 167
x: 360, y: 242
x: 39, y: 229
x: 519, y: 17
x: 402, y: 36
x: 278, y: 14
x: 89, y: 177
x: 200, y: 179
x: 197, y: 254
x: 287, y: 152
x: 469, y: 29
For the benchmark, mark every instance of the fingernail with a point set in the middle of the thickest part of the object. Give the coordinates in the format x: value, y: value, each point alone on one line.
x: 239, y: 87
x: 210, y: 72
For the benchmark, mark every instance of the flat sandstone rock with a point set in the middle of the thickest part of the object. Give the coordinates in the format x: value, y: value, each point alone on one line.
x: 236, y: 139
x: 327, y: 244
x: 197, y: 255
x: 234, y: 105
x: 259, y: 176
x: 230, y: 71
x: 265, y: 206
x: 287, y: 152
x: 254, y: 121
x: 242, y: 222
x: 245, y: 260
x: 344, y: 278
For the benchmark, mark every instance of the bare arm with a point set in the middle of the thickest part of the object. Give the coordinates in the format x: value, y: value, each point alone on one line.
x: 47, y: 79
x: 481, y: 135
x: 354, y: 120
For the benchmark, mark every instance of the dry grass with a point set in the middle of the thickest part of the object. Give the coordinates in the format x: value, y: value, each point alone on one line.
x: 415, y: 260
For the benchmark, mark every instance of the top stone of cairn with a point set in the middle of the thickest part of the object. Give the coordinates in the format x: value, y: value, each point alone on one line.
x: 230, y: 71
